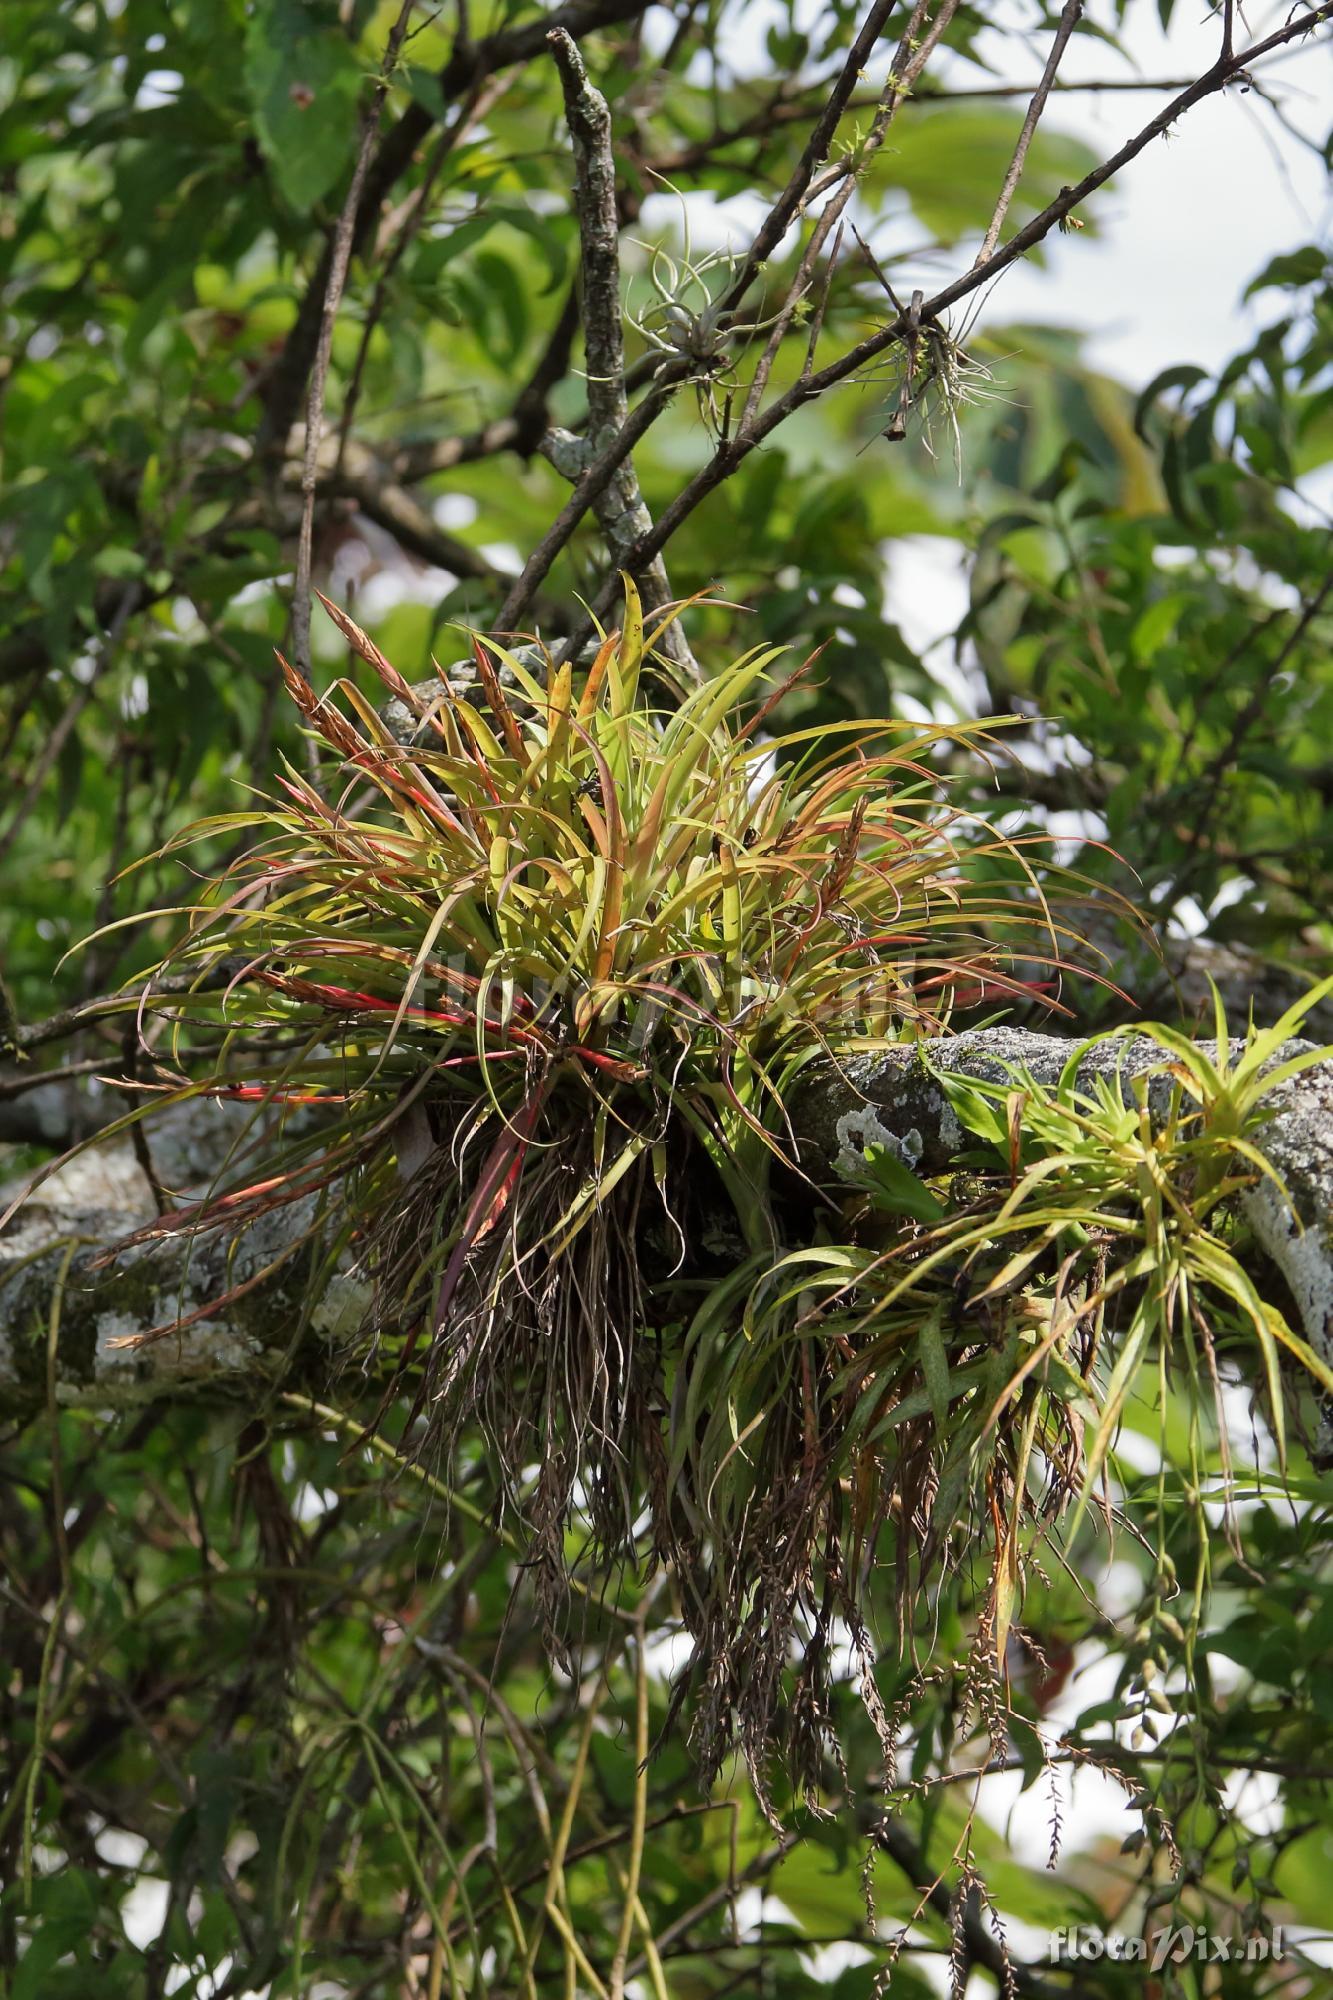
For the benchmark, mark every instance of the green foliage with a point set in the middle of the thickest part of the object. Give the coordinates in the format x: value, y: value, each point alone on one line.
x: 302, y: 80
x: 279, y: 1712
x: 1187, y: 646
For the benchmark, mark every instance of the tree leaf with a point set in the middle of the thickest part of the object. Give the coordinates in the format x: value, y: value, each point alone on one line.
x: 302, y: 80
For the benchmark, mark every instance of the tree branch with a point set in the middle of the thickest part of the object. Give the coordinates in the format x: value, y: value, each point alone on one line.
x: 982, y: 1947
x: 919, y: 40
x: 732, y: 451
x: 470, y: 63
x: 890, y: 1098
x: 621, y: 513
x: 1069, y: 20
x: 270, y: 1332
x: 404, y: 229
x: 815, y: 151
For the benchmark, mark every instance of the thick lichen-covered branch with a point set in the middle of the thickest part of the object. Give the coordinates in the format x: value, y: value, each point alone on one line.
x: 61, y: 1300
x: 621, y: 512
x: 51, y: 1255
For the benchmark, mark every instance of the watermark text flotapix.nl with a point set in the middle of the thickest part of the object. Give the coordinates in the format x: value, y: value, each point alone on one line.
x: 1172, y: 1945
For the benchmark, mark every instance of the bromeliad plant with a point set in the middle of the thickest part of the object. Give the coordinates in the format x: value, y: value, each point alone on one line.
x: 920, y: 1406
x: 539, y: 981
x: 543, y: 976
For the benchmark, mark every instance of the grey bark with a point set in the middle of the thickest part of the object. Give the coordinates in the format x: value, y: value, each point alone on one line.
x: 620, y: 509
x: 54, y: 1296
x: 276, y: 1330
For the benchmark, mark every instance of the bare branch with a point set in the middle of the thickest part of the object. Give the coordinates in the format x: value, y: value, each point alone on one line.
x: 1069, y: 20
x: 589, y: 122
x: 982, y: 1948
x: 621, y: 513
x: 103, y: 1194
x: 56, y: 740
x: 778, y: 109
x: 1214, y: 775
x: 73, y: 1020
x: 49, y: 1109
x: 1217, y: 78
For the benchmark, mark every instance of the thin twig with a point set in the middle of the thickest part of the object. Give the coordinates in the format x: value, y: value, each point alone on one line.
x: 402, y: 515
x: 93, y: 974
x: 821, y: 306
x: 41, y: 767
x: 42, y: 1079
x: 1069, y: 20
x: 762, y: 1864
x: 333, y: 291
x: 416, y: 206
x: 780, y: 109
x: 902, y: 1849
x: 18, y: 711
x: 129, y: 1056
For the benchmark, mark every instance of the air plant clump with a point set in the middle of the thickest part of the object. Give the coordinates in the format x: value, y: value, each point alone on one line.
x: 937, y: 377
x: 539, y: 990
x: 932, y: 371
x: 689, y: 324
